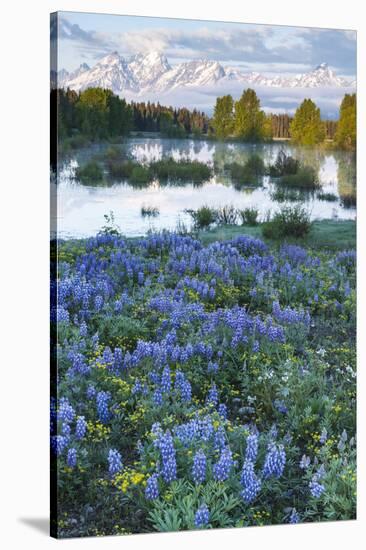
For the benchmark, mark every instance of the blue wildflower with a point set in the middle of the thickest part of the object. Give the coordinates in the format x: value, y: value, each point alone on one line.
x: 202, y: 516
x: 71, y: 458
x: 251, y: 450
x: 294, y: 516
x: 81, y: 427
x: 199, y: 467
x: 222, y: 468
x: 250, y: 483
x: 115, y: 462
x: 152, y: 487
x: 102, y: 406
x: 275, y: 461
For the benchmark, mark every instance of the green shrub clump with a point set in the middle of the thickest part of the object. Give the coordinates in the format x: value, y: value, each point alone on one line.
x: 249, y: 216
x: 140, y: 175
x: 306, y: 178
x: 284, y: 165
x: 182, y: 170
x: 248, y: 173
x: 288, y: 222
x: 203, y: 217
x: 89, y: 173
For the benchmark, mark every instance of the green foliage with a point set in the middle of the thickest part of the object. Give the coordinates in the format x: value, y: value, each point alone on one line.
x: 286, y: 194
x: 249, y: 173
x: 122, y: 169
x: 346, y: 134
x: 287, y: 222
x: 183, y: 170
x: 90, y: 173
x: 203, y: 217
x: 183, y: 499
x: 284, y: 165
x: 112, y: 153
x: 140, y: 175
x: 307, y: 127
x: 110, y: 227
x: 306, y: 178
x: 223, y: 117
x: 250, y: 121
x: 249, y: 216
x: 170, y: 128
x: 100, y: 114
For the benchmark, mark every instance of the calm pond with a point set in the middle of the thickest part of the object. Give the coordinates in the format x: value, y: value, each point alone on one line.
x: 81, y: 208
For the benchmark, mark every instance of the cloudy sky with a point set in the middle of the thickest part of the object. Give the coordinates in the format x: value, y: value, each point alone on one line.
x: 265, y: 48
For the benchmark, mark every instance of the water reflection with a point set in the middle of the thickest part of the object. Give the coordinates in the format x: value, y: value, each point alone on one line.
x: 81, y: 208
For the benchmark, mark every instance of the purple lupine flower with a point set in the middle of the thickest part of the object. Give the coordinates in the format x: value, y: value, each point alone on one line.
x: 202, y: 516
x: 114, y: 461
x: 199, y: 467
x: 152, y: 487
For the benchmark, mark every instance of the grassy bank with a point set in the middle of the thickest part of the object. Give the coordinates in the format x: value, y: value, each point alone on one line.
x: 330, y: 234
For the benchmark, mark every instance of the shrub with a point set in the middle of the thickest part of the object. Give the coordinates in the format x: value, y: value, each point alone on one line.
x: 181, y: 170
x: 305, y: 178
x: 255, y: 165
x: 203, y: 217
x: 140, y: 175
x: 90, y: 173
x: 288, y: 222
x: 248, y: 173
x: 249, y: 216
x: 112, y: 153
x: 149, y: 211
x: 121, y: 169
x: 284, y: 165
x: 226, y: 215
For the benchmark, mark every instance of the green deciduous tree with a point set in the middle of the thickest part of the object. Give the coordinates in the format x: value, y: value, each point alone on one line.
x: 307, y: 127
x: 345, y: 136
x: 250, y: 121
x: 223, y: 118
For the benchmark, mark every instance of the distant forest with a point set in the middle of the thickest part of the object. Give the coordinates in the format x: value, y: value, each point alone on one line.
x: 97, y: 113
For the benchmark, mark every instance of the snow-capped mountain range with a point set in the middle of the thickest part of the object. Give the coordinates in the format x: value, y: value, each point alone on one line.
x: 151, y: 72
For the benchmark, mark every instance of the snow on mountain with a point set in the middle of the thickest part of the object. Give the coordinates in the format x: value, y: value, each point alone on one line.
x: 111, y: 72
x: 148, y: 68
x: 151, y: 72
x: 322, y: 76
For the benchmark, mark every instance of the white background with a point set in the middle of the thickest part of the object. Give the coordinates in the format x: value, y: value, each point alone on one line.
x: 24, y: 74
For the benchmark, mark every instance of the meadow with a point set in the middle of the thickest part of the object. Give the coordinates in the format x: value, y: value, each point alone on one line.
x: 204, y: 380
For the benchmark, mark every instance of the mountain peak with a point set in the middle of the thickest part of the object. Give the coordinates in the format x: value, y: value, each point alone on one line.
x: 322, y: 66
x: 150, y: 71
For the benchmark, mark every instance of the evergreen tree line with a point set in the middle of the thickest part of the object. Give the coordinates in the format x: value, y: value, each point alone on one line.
x: 153, y: 117
x: 98, y: 114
